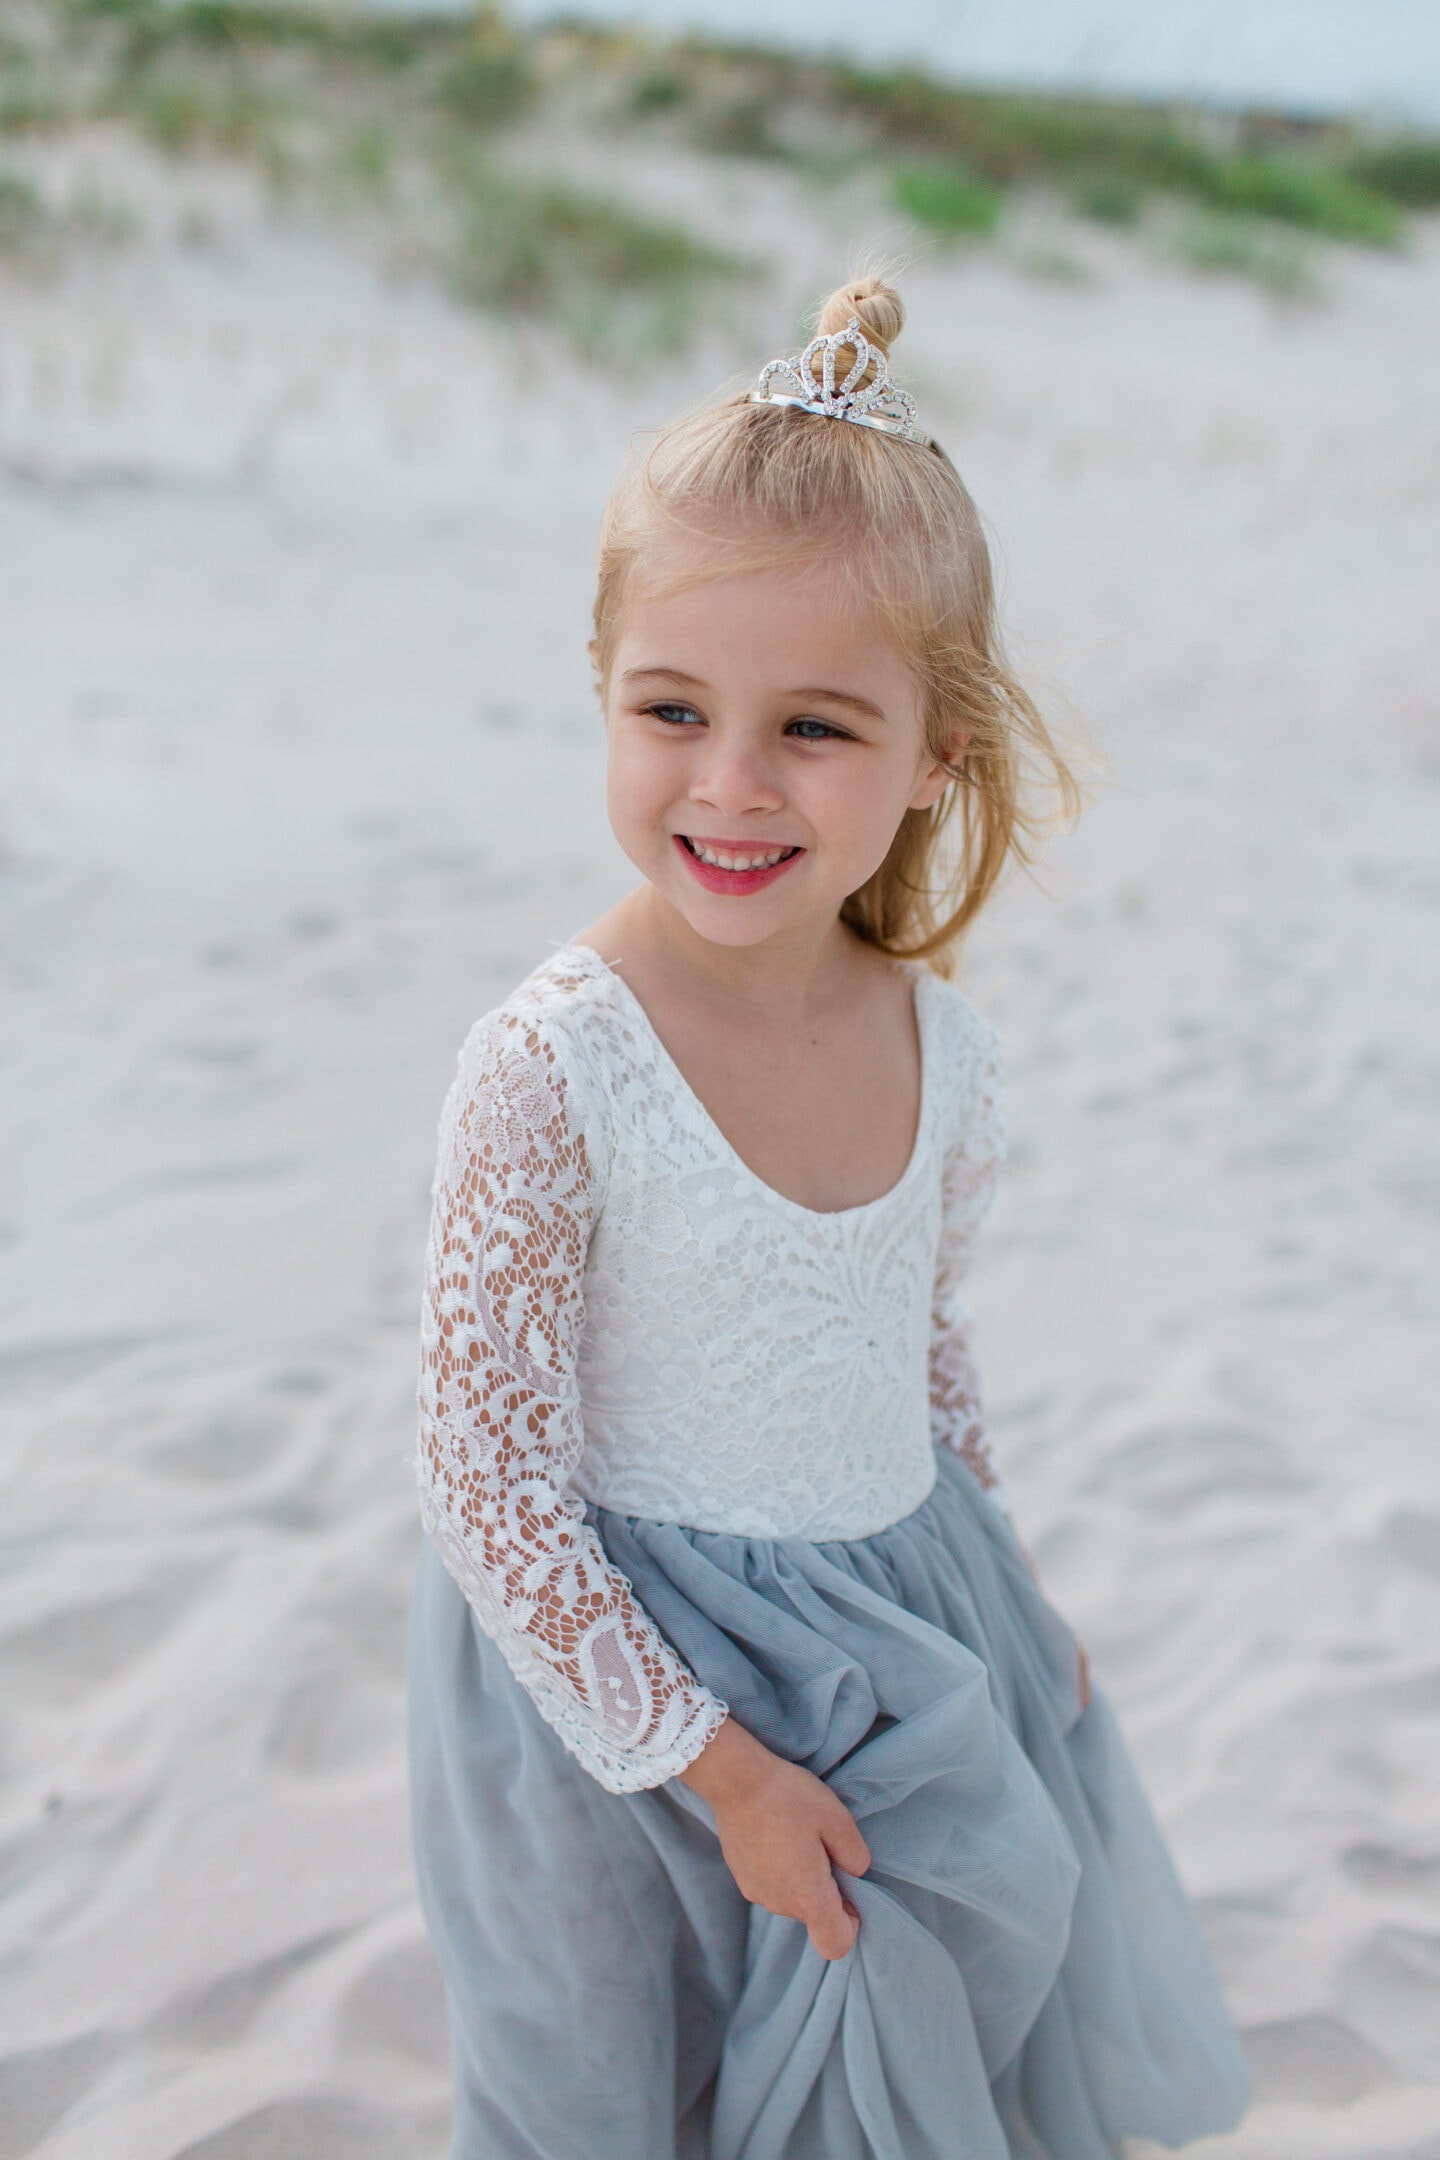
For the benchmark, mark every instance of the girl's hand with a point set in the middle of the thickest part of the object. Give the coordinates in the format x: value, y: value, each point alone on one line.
x: 780, y: 1831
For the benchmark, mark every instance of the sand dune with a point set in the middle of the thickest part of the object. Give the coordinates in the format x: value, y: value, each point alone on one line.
x: 301, y: 771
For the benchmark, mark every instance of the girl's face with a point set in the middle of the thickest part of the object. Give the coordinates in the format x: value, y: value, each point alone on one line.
x: 766, y: 737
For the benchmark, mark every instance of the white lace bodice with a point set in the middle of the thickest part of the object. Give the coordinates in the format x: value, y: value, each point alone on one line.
x: 618, y: 1310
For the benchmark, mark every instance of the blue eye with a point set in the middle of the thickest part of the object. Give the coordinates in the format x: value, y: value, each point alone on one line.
x: 816, y: 731
x: 675, y: 715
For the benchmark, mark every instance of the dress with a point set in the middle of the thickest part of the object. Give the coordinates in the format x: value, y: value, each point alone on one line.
x: 687, y: 1446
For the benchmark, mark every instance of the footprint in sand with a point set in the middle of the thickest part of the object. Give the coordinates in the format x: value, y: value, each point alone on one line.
x: 1317, y: 2060
x: 399, y: 2004
x: 79, y: 1647
x: 39, y: 2086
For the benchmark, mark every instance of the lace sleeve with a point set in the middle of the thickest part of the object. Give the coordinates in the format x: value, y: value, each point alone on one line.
x: 957, y: 1414
x: 500, y: 1425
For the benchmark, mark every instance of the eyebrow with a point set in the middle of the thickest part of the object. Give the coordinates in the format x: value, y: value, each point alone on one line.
x: 858, y: 704
x: 815, y: 691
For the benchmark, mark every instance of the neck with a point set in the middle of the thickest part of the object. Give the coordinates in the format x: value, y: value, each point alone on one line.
x: 786, y: 977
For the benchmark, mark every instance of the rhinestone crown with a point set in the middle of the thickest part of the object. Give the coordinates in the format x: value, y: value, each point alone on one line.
x: 878, y: 403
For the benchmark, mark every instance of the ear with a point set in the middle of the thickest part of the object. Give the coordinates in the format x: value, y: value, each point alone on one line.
x: 597, y: 679
x: 935, y: 777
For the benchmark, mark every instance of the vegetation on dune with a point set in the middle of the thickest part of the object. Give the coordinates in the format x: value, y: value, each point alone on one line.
x: 409, y: 119
x: 552, y: 250
x: 1011, y: 139
x: 1273, y: 256
x: 40, y: 237
x: 956, y: 150
x: 21, y: 214
x: 948, y: 198
x: 1297, y: 191
x: 1407, y: 171
x: 434, y: 125
x: 1323, y: 177
x: 1108, y: 159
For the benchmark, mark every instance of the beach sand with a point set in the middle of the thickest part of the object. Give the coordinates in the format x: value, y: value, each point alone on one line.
x: 302, y: 770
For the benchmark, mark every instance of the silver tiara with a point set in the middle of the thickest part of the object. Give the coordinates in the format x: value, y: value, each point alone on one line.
x: 878, y: 403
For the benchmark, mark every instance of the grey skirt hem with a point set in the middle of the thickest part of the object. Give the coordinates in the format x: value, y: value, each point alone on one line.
x: 1028, y: 1982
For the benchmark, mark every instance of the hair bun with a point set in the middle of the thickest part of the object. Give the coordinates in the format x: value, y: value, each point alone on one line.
x: 877, y: 308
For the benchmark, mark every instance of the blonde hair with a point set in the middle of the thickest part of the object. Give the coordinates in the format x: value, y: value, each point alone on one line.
x: 761, y: 484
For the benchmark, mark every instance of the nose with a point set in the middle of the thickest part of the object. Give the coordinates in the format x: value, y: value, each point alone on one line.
x: 736, y: 777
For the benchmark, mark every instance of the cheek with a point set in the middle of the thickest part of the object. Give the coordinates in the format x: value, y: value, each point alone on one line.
x: 861, y: 805
x: 637, y: 782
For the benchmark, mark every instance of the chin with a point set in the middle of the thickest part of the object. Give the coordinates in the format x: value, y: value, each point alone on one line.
x: 731, y: 922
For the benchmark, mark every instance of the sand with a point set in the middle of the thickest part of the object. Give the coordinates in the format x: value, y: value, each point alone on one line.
x: 302, y: 770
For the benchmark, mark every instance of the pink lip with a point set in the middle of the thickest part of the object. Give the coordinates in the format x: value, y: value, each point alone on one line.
x: 735, y: 882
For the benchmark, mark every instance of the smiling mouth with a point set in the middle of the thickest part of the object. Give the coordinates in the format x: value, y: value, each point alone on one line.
x: 734, y: 866
x: 736, y: 854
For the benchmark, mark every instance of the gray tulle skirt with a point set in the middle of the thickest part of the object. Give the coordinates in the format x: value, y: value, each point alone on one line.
x: 1028, y: 1982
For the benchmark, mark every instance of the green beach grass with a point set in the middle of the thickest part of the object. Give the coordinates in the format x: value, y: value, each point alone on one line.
x: 342, y: 108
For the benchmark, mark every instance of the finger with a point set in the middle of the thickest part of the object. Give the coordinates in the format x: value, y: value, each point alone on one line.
x: 846, y: 1847
x: 830, y: 1928
x: 833, y: 1931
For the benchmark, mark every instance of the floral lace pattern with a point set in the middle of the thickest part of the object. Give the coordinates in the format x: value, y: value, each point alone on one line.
x: 743, y: 1363
x: 500, y: 1424
x: 957, y: 1414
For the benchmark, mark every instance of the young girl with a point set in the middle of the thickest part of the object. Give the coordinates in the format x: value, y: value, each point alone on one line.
x: 759, y: 1808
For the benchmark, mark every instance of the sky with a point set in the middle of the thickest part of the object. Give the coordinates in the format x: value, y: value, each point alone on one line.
x: 1378, y: 57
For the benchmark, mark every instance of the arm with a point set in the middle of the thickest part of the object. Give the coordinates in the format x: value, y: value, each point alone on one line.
x: 783, y: 1833
x: 500, y: 1425
x: 957, y: 1416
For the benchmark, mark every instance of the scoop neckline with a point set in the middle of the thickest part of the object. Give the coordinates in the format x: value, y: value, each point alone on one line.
x: 727, y: 1146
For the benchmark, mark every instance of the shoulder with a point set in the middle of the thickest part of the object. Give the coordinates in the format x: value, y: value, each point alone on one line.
x: 965, y: 1044
x: 966, y: 1069
x: 537, y: 1058
x: 550, y: 1019
x: 964, y: 1029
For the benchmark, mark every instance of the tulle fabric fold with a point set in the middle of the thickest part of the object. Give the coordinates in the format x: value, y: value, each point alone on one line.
x: 1028, y: 1982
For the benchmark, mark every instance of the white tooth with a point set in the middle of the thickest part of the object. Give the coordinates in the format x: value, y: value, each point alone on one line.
x: 718, y: 859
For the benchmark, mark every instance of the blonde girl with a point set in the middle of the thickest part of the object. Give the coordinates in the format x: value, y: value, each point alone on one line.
x: 760, y: 1808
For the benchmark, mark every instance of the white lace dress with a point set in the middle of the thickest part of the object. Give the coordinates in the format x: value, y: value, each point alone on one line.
x: 678, y: 1451
x: 618, y: 1311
